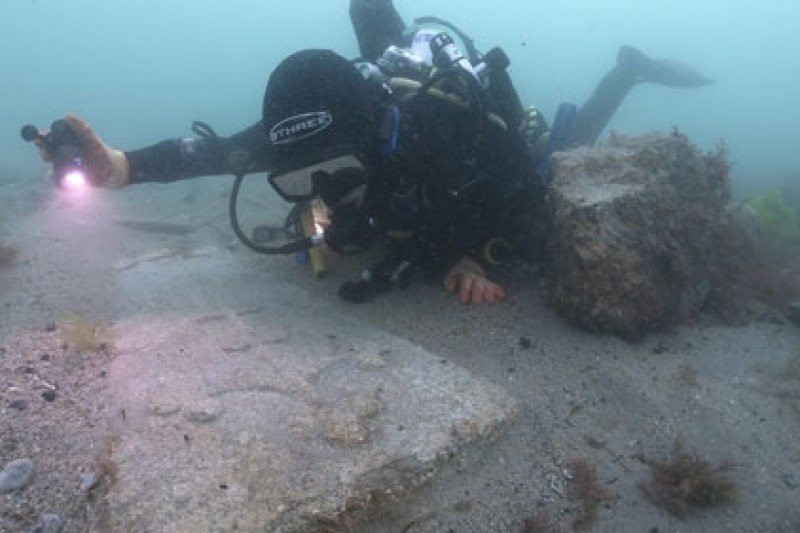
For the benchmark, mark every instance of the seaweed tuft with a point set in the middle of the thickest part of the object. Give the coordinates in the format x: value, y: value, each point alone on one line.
x: 84, y: 335
x: 585, y: 488
x: 541, y: 523
x: 687, y: 483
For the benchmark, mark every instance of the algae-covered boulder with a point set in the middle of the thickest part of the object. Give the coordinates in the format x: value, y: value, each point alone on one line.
x: 640, y: 232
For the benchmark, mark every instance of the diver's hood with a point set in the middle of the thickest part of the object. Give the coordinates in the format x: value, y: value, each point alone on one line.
x: 317, y: 106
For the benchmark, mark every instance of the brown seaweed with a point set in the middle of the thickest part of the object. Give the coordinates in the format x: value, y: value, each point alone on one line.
x: 585, y: 488
x: 687, y: 483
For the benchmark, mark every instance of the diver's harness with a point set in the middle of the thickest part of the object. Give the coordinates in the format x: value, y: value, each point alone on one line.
x: 401, y: 75
x: 404, y: 76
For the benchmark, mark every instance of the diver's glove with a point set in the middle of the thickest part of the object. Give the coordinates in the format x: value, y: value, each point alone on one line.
x: 469, y: 279
x: 108, y: 167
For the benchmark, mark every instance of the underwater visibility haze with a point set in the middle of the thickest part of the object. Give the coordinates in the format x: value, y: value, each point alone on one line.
x: 143, y: 70
x: 159, y: 376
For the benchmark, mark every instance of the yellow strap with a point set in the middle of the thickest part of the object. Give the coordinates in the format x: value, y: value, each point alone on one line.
x: 459, y: 102
x: 406, y: 86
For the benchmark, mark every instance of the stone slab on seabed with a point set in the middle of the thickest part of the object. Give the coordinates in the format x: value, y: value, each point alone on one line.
x: 240, y: 405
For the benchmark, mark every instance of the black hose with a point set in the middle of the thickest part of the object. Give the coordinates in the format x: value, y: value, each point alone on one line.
x: 283, y: 249
x: 204, y: 130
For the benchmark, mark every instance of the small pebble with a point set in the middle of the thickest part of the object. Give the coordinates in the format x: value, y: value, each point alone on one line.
x: 462, y: 506
x: 524, y: 343
x: 48, y: 523
x: 88, y: 481
x: 51, y: 326
x: 19, y: 405
x: 16, y: 475
x: 45, y: 357
x: 791, y: 481
x: 49, y: 395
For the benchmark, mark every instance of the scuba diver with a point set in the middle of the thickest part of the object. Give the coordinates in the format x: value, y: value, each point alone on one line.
x: 422, y: 144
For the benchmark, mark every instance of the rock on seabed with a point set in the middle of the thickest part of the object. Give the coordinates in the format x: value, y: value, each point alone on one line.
x: 16, y: 475
x: 641, y: 234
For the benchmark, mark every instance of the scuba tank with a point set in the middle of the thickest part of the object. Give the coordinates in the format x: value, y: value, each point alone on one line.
x: 414, y: 60
x: 432, y: 48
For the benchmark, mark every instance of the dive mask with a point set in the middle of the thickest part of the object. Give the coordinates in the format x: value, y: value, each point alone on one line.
x: 337, y: 180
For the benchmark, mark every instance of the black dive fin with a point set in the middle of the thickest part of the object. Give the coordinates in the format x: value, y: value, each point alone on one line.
x: 662, y: 71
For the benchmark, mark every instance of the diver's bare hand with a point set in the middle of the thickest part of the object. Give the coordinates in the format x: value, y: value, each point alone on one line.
x: 469, y: 279
x: 108, y: 167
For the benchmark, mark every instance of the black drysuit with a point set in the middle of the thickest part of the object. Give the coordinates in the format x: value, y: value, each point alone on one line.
x: 456, y: 181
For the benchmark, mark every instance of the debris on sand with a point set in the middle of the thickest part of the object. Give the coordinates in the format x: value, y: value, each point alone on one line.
x: 156, y: 226
x: 7, y: 255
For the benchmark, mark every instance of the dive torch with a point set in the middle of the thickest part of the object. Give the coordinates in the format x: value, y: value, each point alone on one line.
x: 62, y: 145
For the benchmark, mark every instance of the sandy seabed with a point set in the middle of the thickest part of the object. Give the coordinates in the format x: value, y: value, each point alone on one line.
x: 727, y: 393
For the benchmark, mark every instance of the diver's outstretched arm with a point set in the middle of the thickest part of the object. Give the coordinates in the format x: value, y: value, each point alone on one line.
x: 632, y: 68
x: 377, y: 26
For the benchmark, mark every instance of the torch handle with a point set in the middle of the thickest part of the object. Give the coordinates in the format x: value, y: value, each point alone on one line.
x: 309, y: 229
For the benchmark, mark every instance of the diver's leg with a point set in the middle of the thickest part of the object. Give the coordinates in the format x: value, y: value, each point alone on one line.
x: 377, y: 25
x: 595, y: 114
x: 632, y: 68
